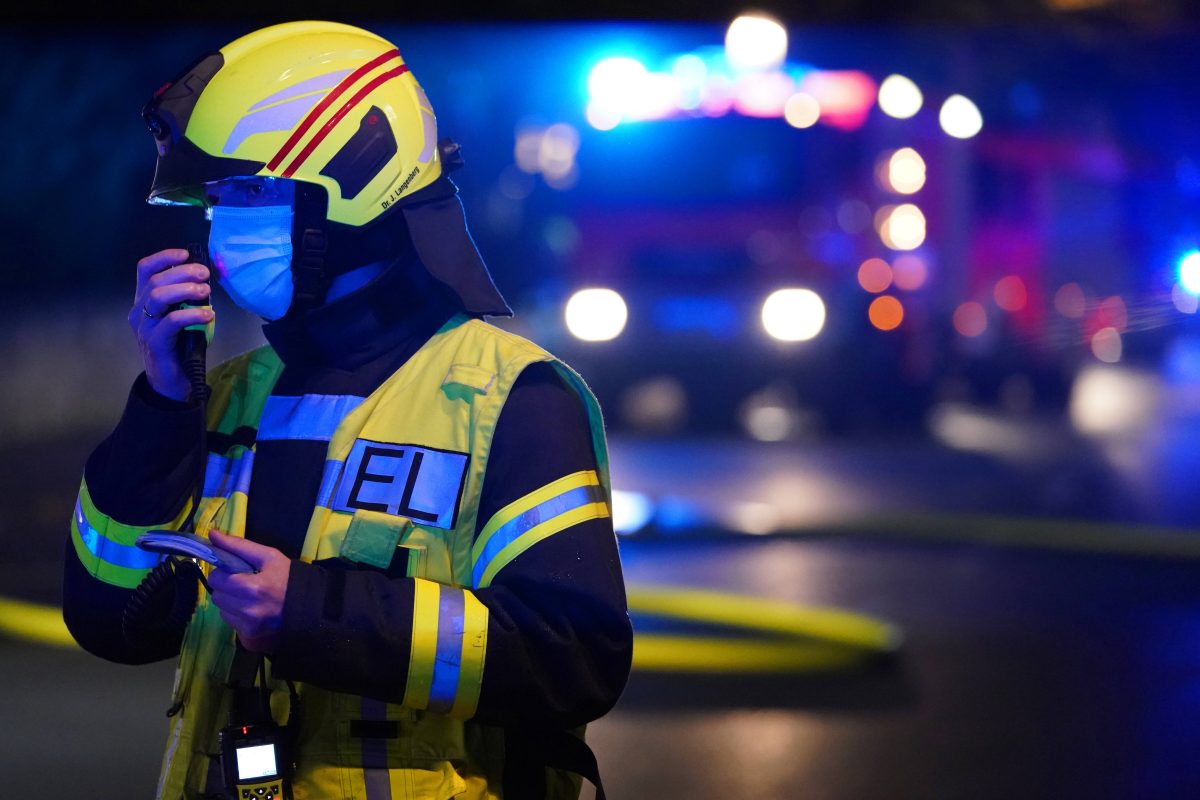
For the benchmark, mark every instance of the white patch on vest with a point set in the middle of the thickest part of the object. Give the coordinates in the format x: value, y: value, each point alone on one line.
x: 404, y: 480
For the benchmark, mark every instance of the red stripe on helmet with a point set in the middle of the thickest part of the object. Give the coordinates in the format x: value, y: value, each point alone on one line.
x: 341, y: 112
x: 319, y: 109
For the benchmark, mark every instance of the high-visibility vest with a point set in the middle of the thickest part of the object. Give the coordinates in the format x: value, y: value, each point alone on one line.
x: 402, y: 480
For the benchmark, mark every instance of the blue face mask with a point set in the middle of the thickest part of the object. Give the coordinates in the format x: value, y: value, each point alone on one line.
x: 251, y: 250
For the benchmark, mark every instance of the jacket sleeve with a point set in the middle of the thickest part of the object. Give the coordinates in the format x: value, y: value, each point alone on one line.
x: 543, y: 639
x: 138, y: 478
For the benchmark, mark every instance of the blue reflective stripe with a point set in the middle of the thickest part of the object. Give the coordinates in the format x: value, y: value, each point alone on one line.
x: 310, y: 416
x: 216, y: 473
x: 244, y: 471
x: 329, y: 481
x: 105, y: 549
x: 509, y: 532
x: 376, y: 776
x: 448, y: 660
x: 223, y: 476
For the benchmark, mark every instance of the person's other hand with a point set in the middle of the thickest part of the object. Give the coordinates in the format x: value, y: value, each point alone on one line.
x: 251, y: 602
x: 163, y: 280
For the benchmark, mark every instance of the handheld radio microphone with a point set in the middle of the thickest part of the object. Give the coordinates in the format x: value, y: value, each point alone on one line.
x: 193, y: 340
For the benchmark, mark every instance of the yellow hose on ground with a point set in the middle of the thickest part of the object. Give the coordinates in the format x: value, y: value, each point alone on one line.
x: 34, y: 623
x: 797, y: 638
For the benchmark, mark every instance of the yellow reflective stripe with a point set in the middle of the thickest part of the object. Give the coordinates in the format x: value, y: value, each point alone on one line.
x: 537, y: 533
x: 525, y: 522
x: 530, y: 501
x: 107, y: 548
x: 426, y: 600
x: 125, y: 577
x: 106, y: 526
x: 474, y: 650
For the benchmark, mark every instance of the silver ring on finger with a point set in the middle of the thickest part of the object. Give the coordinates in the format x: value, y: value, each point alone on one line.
x: 146, y: 311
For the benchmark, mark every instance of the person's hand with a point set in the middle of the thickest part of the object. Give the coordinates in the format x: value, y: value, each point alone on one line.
x: 164, y: 279
x: 251, y: 602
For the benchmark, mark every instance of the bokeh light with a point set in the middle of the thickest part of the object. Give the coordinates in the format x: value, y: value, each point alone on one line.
x: 905, y: 171
x: 902, y: 227
x: 556, y: 151
x: 899, y: 97
x: 845, y: 96
x: 853, y: 215
x: 1070, y: 301
x: 1106, y: 345
x: 602, y: 117
x: 631, y: 511
x: 527, y: 148
x: 612, y: 79
x: 596, y: 315
x: 763, y: 94
x: 656, y: 405
x: 960, y: 117
x: 793, y: 315
x: 970, y: 319
x: 874, y: 275
x: 690, y: 74
x: 909, y: 271
x: 755, y: 41
x: 1010, y: 293
x: 1112, y: 313
x: 886, y: 313
x: 1185, y: 302
x: 801, y: 110
x: 1189, y: 271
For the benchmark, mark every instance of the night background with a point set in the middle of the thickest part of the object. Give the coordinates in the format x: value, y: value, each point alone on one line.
x: 970, y: 418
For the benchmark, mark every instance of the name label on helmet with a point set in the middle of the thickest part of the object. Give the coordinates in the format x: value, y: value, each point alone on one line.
x: 407, y: 480
x: 399, y: 190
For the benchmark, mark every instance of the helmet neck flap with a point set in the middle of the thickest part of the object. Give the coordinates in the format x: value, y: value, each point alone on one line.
x: 388, y: 181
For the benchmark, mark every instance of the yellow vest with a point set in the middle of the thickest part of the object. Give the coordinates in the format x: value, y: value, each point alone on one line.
x: 440, y: 409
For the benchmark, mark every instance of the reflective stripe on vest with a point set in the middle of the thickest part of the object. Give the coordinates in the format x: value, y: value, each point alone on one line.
x: 312, y: 416
x: 449, y: 640
x: 446, y: 398
x: 225, y: 475
x: 539, y: 514
x: 329, y: 482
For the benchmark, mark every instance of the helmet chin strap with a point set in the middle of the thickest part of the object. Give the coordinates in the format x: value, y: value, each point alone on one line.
x: 323, y: 250
x: 310, y: 278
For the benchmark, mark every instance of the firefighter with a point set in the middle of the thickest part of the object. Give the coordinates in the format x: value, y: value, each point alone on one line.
x: 437, y: 598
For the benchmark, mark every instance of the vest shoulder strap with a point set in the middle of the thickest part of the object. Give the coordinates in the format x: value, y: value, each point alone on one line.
x: 240, y: 387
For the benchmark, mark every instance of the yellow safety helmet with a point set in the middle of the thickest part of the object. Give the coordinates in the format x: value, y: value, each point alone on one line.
x: 331, y: 106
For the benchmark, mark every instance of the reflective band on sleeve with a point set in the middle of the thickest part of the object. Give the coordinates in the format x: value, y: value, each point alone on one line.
x: 449, y: 642
x: 130, y: 557
x: 426, y: 604
x: 522, y: 524
x: 449, y: 651
x: 474, y: 649
x: 310, y: 416
x: 106, y: 548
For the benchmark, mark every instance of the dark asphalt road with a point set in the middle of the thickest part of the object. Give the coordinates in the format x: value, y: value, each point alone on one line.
x: 1027, y: 673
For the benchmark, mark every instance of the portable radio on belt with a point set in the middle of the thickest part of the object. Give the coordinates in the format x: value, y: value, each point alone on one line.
x: 254, y: 762
x: 256, y: 759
